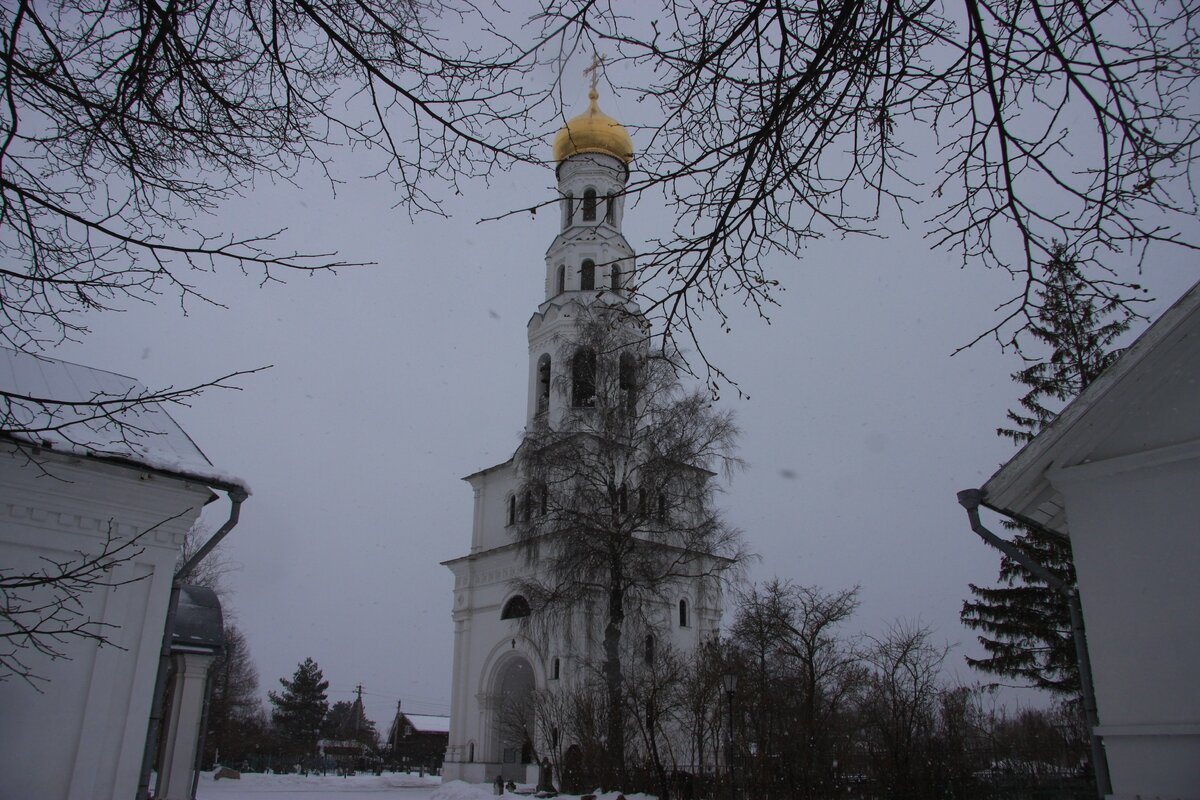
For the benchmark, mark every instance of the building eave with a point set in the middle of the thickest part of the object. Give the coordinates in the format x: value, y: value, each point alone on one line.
x: 1021, y: 485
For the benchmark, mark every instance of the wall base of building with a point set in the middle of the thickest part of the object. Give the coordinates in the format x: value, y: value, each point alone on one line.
x: 486, y: 772
x: 1159, y: 761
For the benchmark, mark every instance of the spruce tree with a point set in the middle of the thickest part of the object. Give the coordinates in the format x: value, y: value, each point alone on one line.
x: 300, y: 709
x: 1026, y: 625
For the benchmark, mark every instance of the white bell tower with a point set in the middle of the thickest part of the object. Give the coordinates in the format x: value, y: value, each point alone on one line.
x: 588, y: 263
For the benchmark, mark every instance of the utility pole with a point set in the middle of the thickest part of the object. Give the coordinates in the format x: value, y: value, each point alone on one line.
x: 358, y: 709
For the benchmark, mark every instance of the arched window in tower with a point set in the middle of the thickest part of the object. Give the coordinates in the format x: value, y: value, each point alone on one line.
x: 543, y: 383
x: 683, y: 613
x: 610, y: 209
x: 628, y: 381
x: 560, y: 280
x: 568, y: 210
x: 543, y: 500
x: 583, y: 378
x: 589, y: 205
x: 557, y: 670
x: 526, y: 506
x: 614, y: 276
x: 512, y: 510
x: 649, y: 655
x: 471, y: 752
x: 587, y: 275
x: 515, y: 608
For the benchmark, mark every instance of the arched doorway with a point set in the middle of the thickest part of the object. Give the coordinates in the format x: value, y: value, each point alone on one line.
x: 513, y: 726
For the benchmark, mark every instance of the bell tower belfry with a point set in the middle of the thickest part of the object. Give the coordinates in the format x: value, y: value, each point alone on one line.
x: 589, y: 260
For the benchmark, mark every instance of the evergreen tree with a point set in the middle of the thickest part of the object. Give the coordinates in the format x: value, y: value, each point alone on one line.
x: 347, y: 721
x: 1026, y: 625
x: 300, y: 709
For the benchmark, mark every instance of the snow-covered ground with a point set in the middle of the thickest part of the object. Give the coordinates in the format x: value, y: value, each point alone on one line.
x: 397, y: 786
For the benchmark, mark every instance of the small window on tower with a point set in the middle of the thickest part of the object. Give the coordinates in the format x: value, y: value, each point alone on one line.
x: 560, y: 280
x: 610, y: 209
x: 587, y: 275
x: 683, y: 613
x: 512, y: 509
x: 556, y: 672
x: 615, y: 277
x: 589, y: 205
x: 526, y: 506
x: 568, y: 210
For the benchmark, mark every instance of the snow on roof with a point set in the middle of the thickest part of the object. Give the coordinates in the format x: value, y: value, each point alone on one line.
x: 75, y: 409
x: 428, y: 723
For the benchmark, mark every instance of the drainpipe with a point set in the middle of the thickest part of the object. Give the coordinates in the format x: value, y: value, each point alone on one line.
x: 971, y: 499
x: 237, y: 495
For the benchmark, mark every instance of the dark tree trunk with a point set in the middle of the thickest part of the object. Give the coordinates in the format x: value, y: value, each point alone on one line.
x: 614, y: 678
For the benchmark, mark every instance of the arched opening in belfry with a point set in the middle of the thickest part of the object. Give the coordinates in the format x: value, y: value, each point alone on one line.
x: 587, y: 275
x: 583, y: 378
x: 543, y: 384
x: 589, y: 205
x: 513, y: 724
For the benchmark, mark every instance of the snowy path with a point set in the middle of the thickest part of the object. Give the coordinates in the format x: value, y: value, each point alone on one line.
x: 359, y: 787
x: 316, y: 787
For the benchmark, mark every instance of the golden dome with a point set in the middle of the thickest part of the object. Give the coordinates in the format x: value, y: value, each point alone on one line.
x: 593, y: 132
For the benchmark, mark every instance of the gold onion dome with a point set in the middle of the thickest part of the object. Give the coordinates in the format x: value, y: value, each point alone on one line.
x: 593, y: 132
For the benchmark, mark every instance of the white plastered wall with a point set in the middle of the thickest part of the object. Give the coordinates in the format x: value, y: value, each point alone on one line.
x: 83, y: 736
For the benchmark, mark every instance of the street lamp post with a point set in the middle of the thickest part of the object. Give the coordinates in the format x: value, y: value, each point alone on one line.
x: 729, y: 683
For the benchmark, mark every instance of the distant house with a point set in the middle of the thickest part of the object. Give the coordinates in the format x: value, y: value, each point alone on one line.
x: 1118, y: 471
x: 76, y: 484
x: 418, y: 739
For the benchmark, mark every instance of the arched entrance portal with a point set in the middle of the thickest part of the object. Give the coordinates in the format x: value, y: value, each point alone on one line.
x: 513, y: 727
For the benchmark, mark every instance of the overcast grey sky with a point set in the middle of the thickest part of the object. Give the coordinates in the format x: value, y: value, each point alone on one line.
x: 392, y: 382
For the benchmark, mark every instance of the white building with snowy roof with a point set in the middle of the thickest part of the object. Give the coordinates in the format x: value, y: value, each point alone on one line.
x: 98, y: 487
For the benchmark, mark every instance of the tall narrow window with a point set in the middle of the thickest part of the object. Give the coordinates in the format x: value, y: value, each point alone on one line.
x: 543, y: 384
x: 471, y: 752
x: 543, y: 500
x: 526, y: 506
x: 587, y: 275
x: 557, y: 670
x: 628, y: 381
x: 610, y: 209
x: 623, y: 500
x: 683, y: 613
x: 568, y: 210
x: 560, y: 280
x: 614, y: 275
x: 583, y: 378
x: 589, y: 205
x: 661, y: 511
x: 512, y: 509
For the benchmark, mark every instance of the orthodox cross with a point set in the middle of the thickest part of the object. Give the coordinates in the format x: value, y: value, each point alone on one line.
x: 595, y: 69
